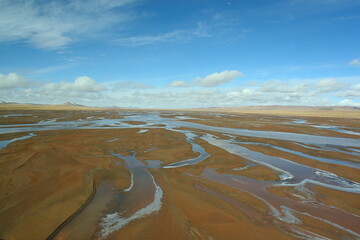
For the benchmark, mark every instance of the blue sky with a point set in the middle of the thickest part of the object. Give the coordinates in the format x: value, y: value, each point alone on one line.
x: 173, y: 54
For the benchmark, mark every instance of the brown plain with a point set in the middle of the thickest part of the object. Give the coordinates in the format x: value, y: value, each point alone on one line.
x: 46, y: 179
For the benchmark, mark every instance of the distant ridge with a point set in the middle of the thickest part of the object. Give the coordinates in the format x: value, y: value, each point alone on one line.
x: 73, y: 104
x: 5, y: 102
x: 4, y: 105
x: 69, y: 104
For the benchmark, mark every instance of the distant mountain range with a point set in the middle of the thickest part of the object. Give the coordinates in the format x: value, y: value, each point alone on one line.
x: 64, y: 104
x: 264, y: 108
x: 73, y: 104
x: 5, y: 102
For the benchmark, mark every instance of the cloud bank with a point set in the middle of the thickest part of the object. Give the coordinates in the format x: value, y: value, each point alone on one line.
x: 12, y: 80
x: 16, y: 88
x: 81, y: 84
x: 87, y: 91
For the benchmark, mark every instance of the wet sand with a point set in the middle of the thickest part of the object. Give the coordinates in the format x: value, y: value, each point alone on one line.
x: 105, y: 174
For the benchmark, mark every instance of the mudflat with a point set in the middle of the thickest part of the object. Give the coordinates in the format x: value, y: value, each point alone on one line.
x: 83, y: 173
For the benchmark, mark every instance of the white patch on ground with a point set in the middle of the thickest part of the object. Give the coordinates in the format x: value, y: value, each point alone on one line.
x: 285, y: 215
x: 356, y: 235
x: 184, y: 117
x: 314, y: 148
x: 308, y: 195
x: 131, y: 184
x: 321, y: 173
x: 241, y: 168
x: 190, y: 136
x: 143, y: 131
x: 332, y: 177
x: 48, y: 121
x: 351, y: 188
x: 299, y: 121
x: 113, y: 140
x: 285, y: 176
x: 149, y: 150
x: 114, y: 222
x: 304, y: 234
x: 15, y: 115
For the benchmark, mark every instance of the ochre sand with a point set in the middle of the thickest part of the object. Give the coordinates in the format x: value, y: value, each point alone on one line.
x: 300, y: 111
x: 46, y: 179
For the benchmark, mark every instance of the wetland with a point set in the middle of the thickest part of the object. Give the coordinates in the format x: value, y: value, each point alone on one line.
x: 108, y: 174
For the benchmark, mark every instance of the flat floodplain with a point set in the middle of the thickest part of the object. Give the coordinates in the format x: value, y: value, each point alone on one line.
x: 125, y: 174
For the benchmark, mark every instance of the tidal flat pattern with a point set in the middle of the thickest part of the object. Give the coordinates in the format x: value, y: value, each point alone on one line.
x: 177, y: 175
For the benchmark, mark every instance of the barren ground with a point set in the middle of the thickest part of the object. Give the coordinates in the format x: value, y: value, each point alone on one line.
x: 106, y: 174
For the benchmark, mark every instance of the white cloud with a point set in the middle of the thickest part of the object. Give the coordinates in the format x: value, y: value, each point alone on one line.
x: 12, y: 80
x: 329, y: 85
x: 85, y: 90
x: 179, y: 83
x: 15, y: 88
x: 216, y: 79
x: 352, y: 92
x: 210, y: 97
x: 42, y: 95
x: 55, y: 24
x: 81, y: 84
x: 348, y: 102
x: 173, y: 36
x: 95, y: 5
x: 310, y: 92
x: 129, y: 85
x: 212, y: 80
x: 355, y: 62
x: 255, y: 96
x: 284, y: 87
x: 86, y: 84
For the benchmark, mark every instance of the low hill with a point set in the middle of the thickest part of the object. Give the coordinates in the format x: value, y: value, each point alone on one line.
x: 30, y: 106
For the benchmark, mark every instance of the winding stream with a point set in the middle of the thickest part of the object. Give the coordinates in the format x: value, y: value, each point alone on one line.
x: 110, y: 210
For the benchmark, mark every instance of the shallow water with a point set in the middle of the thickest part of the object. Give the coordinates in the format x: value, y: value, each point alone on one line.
x: 112, y: 209
x: 195, y: 148
x: 4, y: 143
x: 325, y: 160
x: 170, y: 123
x: 85, y: 224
